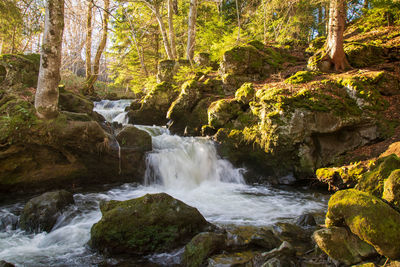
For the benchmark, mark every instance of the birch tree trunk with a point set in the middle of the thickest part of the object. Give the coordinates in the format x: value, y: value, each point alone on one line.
x: 89, y: 40
x: 46, y: 98
x: 163, y: 32
x: 337, y: 20
x: 191, y: 30
x: 89, y: 89
x: 171, y: 29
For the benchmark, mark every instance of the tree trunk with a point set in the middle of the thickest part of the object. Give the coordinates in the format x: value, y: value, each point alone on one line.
x: 46, y: 98
x: 171, y: 29
x: 89, y: 88
x: 337, y: 19
x: 191, y: 30
x: 163, y: 32
x: 89, y: 40
x: 238, y: 20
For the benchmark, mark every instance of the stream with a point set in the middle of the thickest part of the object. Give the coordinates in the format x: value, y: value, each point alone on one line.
x: 187, y: 168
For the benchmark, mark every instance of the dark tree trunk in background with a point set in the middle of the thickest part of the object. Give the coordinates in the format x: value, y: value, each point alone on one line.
x: 46, y: 98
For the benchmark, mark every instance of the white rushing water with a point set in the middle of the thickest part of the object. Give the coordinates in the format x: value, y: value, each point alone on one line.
x: 113, y: 111
x: 187, y: 168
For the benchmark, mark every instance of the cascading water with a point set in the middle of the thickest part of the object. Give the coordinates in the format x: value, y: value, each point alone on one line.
x: 187, y: 168
x: 113, y: 111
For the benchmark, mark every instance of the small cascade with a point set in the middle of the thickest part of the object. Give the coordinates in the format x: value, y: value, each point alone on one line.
x: 186, y: 162
x: 113, y: 111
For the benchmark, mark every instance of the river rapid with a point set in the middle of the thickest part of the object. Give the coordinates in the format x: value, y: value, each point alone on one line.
x: 187, y: 168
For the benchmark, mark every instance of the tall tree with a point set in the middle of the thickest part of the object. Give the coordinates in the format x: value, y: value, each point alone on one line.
x: 91, y: 79
x: 191, y: 29
x: 89, y: 29
x: 46, y: 98
x: 337, y: 21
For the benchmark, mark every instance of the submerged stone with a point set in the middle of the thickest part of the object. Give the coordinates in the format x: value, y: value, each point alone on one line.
x: 152, y: 223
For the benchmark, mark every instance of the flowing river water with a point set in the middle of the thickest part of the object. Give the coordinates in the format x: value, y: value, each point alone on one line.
x: 187, y: 168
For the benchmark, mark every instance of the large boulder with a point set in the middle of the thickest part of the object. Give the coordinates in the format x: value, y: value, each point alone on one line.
x: 152, y: 223
x: 368, y: 217
x: 246, y: 237
x: 73, y: 102
x: 154, y: 106
x: 41, y: 213
x: 391, y: 188
x: 342, y: 245
x: 222, y: 112
x: 134, y: 143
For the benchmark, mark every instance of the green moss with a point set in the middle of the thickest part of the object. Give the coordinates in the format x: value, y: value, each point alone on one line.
x: 372, y: 181
x: 342, y: 177
x: 300, y: 77
x: 369, y: 218
x: 316, y: 44
x: 361, y: 55
x: 201, y: 247
x: 222, y: 111
x: 245, y: 93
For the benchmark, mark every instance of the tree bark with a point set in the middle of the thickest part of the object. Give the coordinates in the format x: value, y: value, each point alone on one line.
x: 89, y: 88
x: 46, y: 98
x: 337, y: 20
x: 191, y: 30
x: 89, y: 40
x: 163, y: 32
x: 171, y: 29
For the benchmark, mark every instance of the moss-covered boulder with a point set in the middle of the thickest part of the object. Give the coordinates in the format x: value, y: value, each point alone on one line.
x: 152, y: 223
x: 222, y: 112
x: 250, y: 62
x: 373, y: 181
x: 245, y: 93
x: 368, y: 217
x: 41, y: 213
x: 391, y: 188
x: 243, y: 258
x: 201, y: 247
x: 344, y: 177
x: 154, y: 106
x: 188, y: 113
x: 134, y: 144
x: 73, y: 102
x: 300, y: 77
x: 166, y: 70
x: 361, y: 55
x: 19, y: 71
x: 342, y: 245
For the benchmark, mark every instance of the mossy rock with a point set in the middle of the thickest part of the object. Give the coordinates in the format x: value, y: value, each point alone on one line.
x: 361, y: 55
x: 69, y: 101
x: 373, y: 181
x: 246, y: 237
x: 316, y: 44
x: 19, y: 71
x: 243, y: 258
x: 341, y: 177
x: 340, y: 244
x: 368, y: 217
x: 152, y: 223
x: 300, y: 77
x: 166, y: 70
x: 391, y: 188
x: 201, y: 247
x: 223, y: 111
x: 245, y: 93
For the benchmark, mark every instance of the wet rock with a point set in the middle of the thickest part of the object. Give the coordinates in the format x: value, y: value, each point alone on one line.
x: 368, y: 217
x: 238, y: 259
x: 306, y: 220
x: 245, y: 237
x: 8, y: 222
x: 134, y: 143
x: 201, y: 247
x: 283, y: 256
x: 391, y: 188
x: 342, y: 245
x: 41, y: 213
x: 6, y: 264
x: 299, y: 238
x: 152, y: 223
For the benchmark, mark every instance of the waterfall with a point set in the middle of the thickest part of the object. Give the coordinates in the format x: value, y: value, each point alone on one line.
x: 113, y: 111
